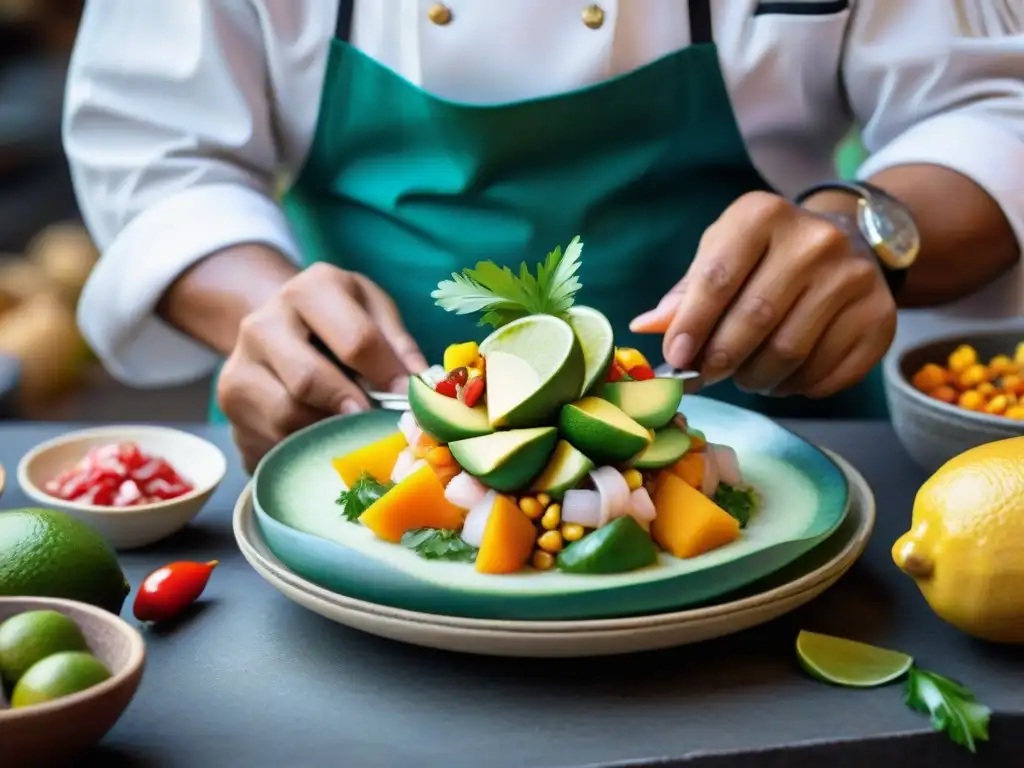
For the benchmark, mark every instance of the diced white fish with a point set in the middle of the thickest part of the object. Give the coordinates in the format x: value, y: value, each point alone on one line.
x: 405, y: 465
x: 409, y: 428
x: 709, y: 482
x: 727, y: 463
x: 465, y: 491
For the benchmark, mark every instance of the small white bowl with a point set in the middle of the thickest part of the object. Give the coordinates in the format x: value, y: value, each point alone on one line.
x: 197, y: 460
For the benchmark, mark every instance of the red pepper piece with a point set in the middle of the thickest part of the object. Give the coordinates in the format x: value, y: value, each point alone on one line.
x: 447, y: 387
x: 473, y: 391
x: 641, y: 372
x: 459, y: 375
x: 615, y: 372
x: 168, y: 591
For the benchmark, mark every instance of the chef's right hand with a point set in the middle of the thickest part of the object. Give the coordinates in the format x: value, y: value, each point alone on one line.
x: 275, y: 382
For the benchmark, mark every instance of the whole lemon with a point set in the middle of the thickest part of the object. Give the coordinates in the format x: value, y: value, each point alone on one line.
x: 965, y: 548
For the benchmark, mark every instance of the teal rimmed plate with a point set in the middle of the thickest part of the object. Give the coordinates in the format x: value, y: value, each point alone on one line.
x: 804, y: 495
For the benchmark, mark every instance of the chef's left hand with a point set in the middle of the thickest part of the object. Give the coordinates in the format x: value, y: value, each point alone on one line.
x: 780, y: 299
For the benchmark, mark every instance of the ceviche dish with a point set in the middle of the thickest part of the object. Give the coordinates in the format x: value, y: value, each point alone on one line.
x: 545, y: 446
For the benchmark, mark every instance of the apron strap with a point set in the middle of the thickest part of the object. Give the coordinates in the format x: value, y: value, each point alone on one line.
x: 343, y: 25
x: 700, y: 22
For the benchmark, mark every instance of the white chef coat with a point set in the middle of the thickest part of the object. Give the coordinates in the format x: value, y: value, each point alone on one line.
x: 182, y: 115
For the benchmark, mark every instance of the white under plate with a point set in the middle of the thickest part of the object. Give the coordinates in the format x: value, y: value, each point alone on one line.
x: 600, y: 637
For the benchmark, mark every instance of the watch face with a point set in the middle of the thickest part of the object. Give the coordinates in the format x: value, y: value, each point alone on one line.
x: 892, y: 232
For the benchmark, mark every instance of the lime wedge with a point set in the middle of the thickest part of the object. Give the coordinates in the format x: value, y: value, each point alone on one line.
x: 597, y: 341
x: 849, y: 663
x: 534, y: 367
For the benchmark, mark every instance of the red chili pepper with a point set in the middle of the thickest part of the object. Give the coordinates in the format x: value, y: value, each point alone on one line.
x: 168, y: 591
x: 615, y: 372
x: 473, y: 391
x: 447, y: 387
x: 641, y: 372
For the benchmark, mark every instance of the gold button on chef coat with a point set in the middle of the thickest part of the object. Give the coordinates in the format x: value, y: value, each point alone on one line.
x: 593, y: 16
x: 440, y: 14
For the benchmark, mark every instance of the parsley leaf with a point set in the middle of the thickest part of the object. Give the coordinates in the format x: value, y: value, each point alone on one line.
x: 359, y: 497
x: 738, y: 502
x: 439, y: 544
x: 503, y: 296
x: 952, y: 707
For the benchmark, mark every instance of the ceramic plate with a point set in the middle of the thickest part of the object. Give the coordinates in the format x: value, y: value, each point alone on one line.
x: 783, y: 591
x: 804, y: 499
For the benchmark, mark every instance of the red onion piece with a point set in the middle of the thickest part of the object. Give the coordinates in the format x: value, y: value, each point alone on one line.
x: 582, y: 507
x: 641, y: 507
x: 614, y: 493
x: 476, y: 520
x: 465, y: 491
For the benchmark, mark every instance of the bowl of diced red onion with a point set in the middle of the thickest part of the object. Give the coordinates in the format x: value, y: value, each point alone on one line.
x: 135, y: 485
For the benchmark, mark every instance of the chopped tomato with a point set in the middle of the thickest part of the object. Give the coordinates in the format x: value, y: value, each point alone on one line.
x: 473, y: 391
x: 447, y: 387
x: 641, y: 372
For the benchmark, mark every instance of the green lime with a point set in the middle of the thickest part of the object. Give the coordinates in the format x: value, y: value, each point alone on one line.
x: 534, y: 367
x: 597, y: 340
x: 32, y: 636
x: 58, y: 675
x: 849, y: 663
x: 45, y: 553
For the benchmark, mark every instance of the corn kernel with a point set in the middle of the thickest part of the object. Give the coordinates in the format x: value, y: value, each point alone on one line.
x: 550, y: 542
x: 531, y: 507
x: 628, y: 357
x: 972, y: 376
x: 552, y: 517
x: 971, y: 400
x: 543, y: 499
x: 962, y: 358
x: 572, y: 531
x: 997, y: 405
x: 931, y: 376
x: 1018, y: 356
x: 633, y: 478
x: 1001, y: 364
x: 461, y: 355
x: 944, y: 394
x: 1013, y: 384
x: 543, y: 561
x: 987, y: 389
x: 1015, y: 412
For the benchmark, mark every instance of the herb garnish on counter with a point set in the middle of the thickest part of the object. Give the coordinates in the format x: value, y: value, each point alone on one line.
x: 439, y: 544
x: 357, y: 499
x: 953, y: 707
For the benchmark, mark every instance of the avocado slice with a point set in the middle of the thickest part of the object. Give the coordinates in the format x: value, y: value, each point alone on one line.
x: 602, y: 431
x: 670, y: 444
x: 506, y: 461
x: 650, y: 403
x: 618, y: 547
x: 443, y: 417
x: 566, y: 470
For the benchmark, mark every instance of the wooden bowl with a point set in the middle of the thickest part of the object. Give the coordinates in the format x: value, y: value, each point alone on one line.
x: 58, y: 730
x: 198, y: 460
x: 934, y: 432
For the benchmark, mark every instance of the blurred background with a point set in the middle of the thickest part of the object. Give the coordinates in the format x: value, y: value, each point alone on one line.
x: 45, y: 254
x: 46, y: 371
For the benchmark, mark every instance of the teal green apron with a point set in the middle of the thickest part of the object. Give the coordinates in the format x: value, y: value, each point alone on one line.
x: 406, y: 188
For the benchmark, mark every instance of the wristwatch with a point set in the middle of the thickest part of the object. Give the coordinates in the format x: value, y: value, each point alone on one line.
x: 884, y: 222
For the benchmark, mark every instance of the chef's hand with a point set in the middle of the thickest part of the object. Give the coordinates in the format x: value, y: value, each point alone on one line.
x: 780, y: 299
x: 275, y: 382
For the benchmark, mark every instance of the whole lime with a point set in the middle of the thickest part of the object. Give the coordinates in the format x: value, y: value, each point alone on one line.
x: 45, y: 553
x: 57, y: 676
x: 32, y: 636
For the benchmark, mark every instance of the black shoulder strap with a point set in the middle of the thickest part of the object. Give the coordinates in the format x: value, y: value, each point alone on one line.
x: 343, y: 26
x: 700, y: 22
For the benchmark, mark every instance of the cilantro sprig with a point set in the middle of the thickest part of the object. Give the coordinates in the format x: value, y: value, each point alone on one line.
x: 357, y: 499
x: 439, y: 544
x: 503, y: 296
x: 738, y: 502
x: 952, y: 706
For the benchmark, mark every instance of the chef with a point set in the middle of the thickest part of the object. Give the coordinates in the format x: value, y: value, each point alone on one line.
x: 258, y: 172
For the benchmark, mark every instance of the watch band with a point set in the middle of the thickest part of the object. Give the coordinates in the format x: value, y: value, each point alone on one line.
x: 894, y: 278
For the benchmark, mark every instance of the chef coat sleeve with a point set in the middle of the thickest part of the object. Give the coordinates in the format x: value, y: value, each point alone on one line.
x: 168, y: 130
x: 942, y: 82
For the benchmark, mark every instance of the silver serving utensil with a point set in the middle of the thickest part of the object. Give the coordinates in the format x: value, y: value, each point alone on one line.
x: 394, y: 401
x: 692, y: 380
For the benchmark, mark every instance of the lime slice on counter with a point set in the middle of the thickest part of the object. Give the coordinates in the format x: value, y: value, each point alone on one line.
x: 534, y: 367
x: 597, y: 341
x: 849, y: 663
